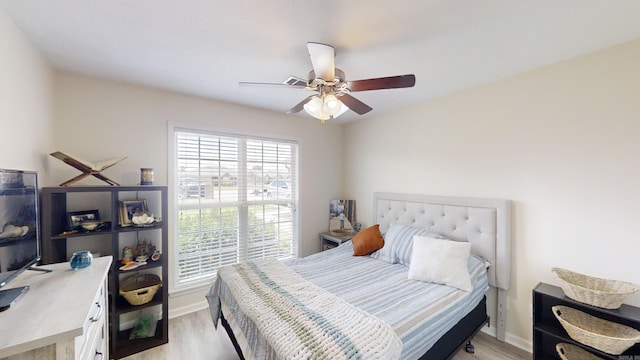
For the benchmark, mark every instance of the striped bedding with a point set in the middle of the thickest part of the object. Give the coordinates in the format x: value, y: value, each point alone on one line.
x: 420, y: 313
x: 300, y: 320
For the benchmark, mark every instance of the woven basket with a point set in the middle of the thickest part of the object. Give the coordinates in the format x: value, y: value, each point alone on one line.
x: 608, y: 294
x: 604, y: 335
x: 571, y: 352
x: 140, y: 289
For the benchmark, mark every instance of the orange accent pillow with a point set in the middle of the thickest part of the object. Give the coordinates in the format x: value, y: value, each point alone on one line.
x: 367, y: 241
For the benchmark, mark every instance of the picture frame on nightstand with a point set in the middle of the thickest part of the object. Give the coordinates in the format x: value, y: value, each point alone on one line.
x: 342, y: 216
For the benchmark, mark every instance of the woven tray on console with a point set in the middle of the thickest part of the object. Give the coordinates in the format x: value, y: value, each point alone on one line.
x: 608, y: 294
x: 604, y: 335
x: 568, y: 351
x: 140, y: 289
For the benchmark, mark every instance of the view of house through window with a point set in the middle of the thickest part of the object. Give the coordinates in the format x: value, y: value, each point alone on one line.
x: 236, y: 201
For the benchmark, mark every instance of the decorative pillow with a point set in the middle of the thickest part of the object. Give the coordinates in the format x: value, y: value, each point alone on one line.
x: 367, y: 241
x: 441, y: 261
x: 398, y: 243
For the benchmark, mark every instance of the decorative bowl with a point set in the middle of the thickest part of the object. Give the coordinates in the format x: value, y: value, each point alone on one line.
x: 604, y: 335
x: 568, y: 351
x: 604, y: 293
x: 81, y: 260
x: 89, y: 225
x: 140, y: 289
x: 144, y: 219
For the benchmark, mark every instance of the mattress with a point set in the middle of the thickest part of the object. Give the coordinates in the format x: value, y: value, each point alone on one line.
x: 419, y: 312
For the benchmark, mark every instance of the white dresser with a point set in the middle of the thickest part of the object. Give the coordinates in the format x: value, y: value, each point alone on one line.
x: 64, y: 315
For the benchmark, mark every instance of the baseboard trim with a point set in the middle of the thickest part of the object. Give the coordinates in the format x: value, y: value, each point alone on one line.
x: 188, y: 309
x: 511, y: 339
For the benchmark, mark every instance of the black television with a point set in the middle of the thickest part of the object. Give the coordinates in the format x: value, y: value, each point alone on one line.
x: 19, y: 229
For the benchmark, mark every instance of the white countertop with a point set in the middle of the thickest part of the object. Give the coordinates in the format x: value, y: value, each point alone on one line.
x: 55, y: 307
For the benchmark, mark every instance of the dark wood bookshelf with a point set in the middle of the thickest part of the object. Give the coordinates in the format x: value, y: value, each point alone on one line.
x: 54, y: 204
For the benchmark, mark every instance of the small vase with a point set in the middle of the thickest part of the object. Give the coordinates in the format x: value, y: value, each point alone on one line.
x: 81, y: 260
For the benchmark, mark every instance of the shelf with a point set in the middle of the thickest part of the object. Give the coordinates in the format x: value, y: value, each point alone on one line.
x: 547, y: 330
x: 27, y: 190
x: 101, y: 188
x: 138, y: 228
x: 107, y: 199
x: 552, y: 329
x: 554, y: 336
x: 117, y: 229
x: 123, y: 306
x: 130, y: 347
x: 545, y: 346
x: 11, y: 240
x: 106, y: 231
x: 150, y: 265
x: 626, y: 314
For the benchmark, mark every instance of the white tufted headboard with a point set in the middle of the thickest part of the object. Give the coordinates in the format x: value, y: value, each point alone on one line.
x: 485, y: 223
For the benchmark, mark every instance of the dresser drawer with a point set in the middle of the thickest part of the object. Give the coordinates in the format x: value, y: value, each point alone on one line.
x: 101, y: 353
x: 95, y: 346
x: 95, y: 331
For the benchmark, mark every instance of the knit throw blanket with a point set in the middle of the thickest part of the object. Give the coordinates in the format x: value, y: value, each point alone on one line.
x: 300, y: 320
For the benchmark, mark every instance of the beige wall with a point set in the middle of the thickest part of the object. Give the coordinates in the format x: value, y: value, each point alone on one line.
x: 26, y: 102
x: 98, y: 119
x: 562, y: 142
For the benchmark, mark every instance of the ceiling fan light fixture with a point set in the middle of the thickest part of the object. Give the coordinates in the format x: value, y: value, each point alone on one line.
x: 314, y: 106
x: 325, y: 107
x: 332, y: 97
x: 331, y: 104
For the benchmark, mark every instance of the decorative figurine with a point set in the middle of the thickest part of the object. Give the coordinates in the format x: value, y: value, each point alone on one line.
x: 127, y: 255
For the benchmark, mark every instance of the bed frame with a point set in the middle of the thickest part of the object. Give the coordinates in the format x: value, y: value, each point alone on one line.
x: 485, y: 223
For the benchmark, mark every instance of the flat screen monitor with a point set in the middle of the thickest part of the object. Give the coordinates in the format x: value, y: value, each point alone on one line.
x: 19, y: 235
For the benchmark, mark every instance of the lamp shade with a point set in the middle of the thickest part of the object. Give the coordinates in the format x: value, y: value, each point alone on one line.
x: 331, y: 105
x: 324, y: 107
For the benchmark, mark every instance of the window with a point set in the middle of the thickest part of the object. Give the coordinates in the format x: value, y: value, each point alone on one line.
x: 234, y: 199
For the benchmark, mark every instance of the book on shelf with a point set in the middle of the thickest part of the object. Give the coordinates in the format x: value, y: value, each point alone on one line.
x: 81, y: 164
x: 87, y: 168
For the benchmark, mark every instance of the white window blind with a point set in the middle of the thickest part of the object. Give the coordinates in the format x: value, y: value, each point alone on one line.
x: 236, y: 201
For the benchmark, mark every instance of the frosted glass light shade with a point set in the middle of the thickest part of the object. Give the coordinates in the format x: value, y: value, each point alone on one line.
x: 324, y: 107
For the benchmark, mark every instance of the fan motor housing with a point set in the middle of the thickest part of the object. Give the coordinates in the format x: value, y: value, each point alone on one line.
x: 339, y: 76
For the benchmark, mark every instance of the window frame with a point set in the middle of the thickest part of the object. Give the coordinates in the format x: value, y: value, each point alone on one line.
x: 174, y: 287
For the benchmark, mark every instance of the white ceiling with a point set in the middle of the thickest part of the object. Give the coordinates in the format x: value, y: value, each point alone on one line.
x: 205, y: 47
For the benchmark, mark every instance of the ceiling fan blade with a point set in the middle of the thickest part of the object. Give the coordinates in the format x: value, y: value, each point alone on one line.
x: 322, y: 58
x: 300, y: 105
x: 248, y: 83
x: 389, y: 82
x: 355, y: 104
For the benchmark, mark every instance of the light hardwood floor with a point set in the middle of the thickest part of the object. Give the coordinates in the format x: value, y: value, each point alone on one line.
x: 193, y: 337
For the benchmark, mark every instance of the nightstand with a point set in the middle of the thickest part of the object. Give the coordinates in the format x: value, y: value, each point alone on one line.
x: 547, y: 330
x: 329, y: 241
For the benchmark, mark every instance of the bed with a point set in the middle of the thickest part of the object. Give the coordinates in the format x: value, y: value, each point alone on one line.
x: 429, y: 320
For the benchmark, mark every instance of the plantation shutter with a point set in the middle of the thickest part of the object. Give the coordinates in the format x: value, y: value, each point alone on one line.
x: 236, y: 201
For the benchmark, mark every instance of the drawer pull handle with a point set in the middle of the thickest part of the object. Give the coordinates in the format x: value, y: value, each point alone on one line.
x: 99, y: 355
x: 98, y: 314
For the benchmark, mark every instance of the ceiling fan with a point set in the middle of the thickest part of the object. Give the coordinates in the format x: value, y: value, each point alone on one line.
x: 332, y: 89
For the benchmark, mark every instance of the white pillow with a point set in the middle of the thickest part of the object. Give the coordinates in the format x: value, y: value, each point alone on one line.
x: 398, y: 243
x: 441, y: 261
